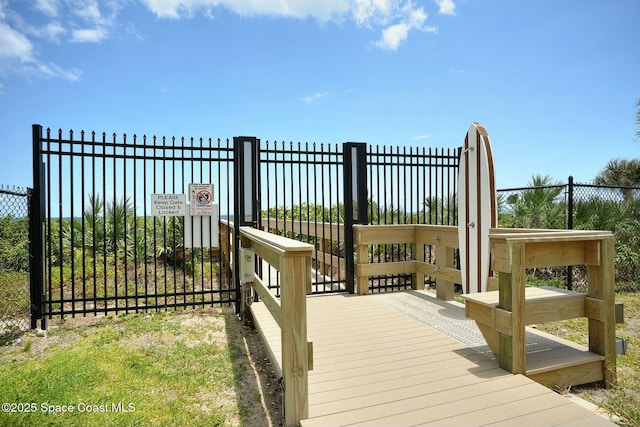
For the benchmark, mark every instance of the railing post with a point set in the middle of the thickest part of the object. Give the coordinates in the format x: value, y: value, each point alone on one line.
x: 602, y: 332
x: 355, y: 201
x: 36, y: 204
x: 417, y: 254
x: 511, y: 353
x: 246, y: 150
x: 362, y: 257
x: 444, y: 258
x: 295, y: 362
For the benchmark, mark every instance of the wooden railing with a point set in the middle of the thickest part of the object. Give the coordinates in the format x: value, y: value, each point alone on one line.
x: 503, y: 321
x: 443, y: 240
x: 292, y: 259
x: 327, y: 234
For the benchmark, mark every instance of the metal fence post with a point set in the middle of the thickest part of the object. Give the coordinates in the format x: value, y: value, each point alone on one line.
x: 355, y: 201
x: 246, y: 150
x: 570, y: 226
x: 36, y: 231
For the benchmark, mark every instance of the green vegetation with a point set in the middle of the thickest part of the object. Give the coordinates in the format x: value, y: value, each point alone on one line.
x: 110, y: 251
x: 184, y: 368
x: 541, y: 207
x: 544, y: 206
x: 14, y: 250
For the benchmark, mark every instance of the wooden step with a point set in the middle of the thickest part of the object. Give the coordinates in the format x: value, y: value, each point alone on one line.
x: 542, y: 304
x: 563, y: 364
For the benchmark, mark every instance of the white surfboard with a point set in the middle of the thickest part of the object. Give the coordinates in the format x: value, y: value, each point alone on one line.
x: 477, y: 208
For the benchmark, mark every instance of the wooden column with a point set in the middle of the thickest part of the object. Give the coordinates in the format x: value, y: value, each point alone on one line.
x: 362, y: 257
x: 444, y: 259
x: 602, y: 331
x: 417, y: 254
x: 511, y: 353
x: 294, y: 275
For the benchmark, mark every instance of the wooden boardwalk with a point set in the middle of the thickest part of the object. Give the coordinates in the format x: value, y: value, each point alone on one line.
x: 375, y: 366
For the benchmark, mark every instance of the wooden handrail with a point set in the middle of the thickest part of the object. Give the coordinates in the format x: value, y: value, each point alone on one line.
x: 443, y: 238
x: 325, y: 233
x: 293, y: 260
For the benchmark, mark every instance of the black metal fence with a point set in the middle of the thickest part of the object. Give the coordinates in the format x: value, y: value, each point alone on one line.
x: 306, y: 194
x: 104, y: 251
x: 302, y: 197
x: 14, y: 262
x: 409, y: 186
x: 580, y: 206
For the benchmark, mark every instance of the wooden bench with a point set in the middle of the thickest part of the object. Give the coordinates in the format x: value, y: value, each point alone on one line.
x: 502, y: 315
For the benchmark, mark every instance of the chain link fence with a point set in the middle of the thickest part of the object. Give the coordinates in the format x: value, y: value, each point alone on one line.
x: 616, y: 209
x: 580, y: 207
x: 14, y: 263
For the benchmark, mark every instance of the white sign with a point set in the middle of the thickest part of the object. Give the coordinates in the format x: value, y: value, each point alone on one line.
x: 201, y: 231
x: 168, y: 205
x: 201, y: 199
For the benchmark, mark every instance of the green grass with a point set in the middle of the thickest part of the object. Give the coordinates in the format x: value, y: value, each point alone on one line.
x: 163, y: 370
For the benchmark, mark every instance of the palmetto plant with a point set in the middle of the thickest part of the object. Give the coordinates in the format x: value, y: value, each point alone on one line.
x: 542, y: 206
x: 168, y: 239
x: 108, y: 229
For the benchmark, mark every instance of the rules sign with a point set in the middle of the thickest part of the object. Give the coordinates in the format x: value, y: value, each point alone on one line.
x: 201, y: 198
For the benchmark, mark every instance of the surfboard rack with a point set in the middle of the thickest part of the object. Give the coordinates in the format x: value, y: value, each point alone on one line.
x: 503, y: 315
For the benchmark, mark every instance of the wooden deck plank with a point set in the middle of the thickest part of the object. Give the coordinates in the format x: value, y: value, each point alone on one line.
x: 440, y: 378
x: 445, y: 367
x: 564, y: 415
x: 376, y: 366
x: 421, y: 407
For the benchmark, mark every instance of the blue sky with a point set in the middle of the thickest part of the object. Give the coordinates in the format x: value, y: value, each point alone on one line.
x: 554, y: 82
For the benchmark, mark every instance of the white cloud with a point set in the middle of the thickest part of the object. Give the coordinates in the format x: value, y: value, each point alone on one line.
x: 89, y: 35
x: 48, y: 7
x: 322, y: 10
x: 53, y: 31
x: 54, y: 70
x: 87, y: 9
x: 314, y: 97
x: 446, y: 7
x: 14, y: 45
x: 94, y: 21
x: 410, y: 18
x: 366, y: 11
x: 17, y: 54
x: 419, y: 137
x: 395, y: 18
x: 393, y: 36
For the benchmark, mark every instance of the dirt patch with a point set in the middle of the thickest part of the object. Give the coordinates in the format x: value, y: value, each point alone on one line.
x: 260, y: 384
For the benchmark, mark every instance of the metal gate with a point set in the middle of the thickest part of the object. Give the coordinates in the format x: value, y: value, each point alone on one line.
x: 102, y: 250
